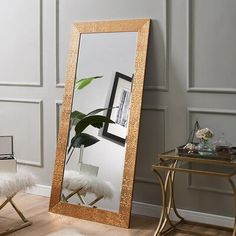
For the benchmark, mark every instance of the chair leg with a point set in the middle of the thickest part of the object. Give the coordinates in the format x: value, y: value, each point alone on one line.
x: 96, y: 200
x: 81, y: 198
x: 19, y: 226
x: 4, y: 203
x: 65, y: 198
x: 18, y: 211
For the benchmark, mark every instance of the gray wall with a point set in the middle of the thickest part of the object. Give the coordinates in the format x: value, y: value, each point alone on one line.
x: 190, y: 75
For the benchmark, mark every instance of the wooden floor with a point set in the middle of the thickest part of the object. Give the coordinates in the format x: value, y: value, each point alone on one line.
x: 35, y: 208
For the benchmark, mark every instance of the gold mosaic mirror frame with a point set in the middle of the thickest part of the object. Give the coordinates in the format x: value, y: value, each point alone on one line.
x: 121, y: 218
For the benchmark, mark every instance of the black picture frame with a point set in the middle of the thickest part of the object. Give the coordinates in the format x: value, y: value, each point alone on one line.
x: 119, y: 105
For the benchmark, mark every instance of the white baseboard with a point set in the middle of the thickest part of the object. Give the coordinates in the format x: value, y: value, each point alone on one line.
x: 155, y: 210
x: 41, y: 190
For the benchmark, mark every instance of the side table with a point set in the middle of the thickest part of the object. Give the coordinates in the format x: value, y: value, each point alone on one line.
x: 170, y: 163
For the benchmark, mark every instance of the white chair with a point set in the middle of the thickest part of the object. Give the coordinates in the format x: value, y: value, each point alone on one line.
x: 85, y: 181
x: 10, y: 185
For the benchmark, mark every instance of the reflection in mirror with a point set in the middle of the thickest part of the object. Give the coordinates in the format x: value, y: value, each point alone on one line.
x: 120, y: 99
x: 98, y: 133
x: 89, y: 179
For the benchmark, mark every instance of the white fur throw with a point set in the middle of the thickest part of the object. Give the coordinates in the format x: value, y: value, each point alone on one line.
x: 73, y: 180
x: 11, y: 183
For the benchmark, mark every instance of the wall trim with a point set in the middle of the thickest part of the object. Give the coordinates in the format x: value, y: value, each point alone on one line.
x: 190, y: 86
x: 58, y: 84
x: 155, y: 211
x: 164, y: 87
x: 164, y: 109
x: 40, y: 104
x: 40, y: 52
x: 40, y: 190
x: 58, y: 104
x: 191, y: 186
x: 152, y: 210
x: 211, y: 111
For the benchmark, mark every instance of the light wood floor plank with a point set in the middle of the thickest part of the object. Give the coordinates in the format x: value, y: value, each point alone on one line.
x: 35, y: 208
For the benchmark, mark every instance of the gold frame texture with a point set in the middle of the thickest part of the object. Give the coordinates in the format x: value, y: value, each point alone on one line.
x: 121, y: 218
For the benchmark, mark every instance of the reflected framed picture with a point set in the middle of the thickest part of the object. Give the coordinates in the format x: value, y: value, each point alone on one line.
x: 120, y: 104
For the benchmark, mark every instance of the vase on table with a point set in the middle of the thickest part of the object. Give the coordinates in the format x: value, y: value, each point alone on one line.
x: 205, y: 147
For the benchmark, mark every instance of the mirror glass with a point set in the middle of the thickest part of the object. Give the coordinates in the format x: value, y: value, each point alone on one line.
x: 98, y: 132
x: 111, y: 56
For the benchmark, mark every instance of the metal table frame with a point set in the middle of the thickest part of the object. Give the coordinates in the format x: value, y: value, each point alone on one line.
x: 171, y: 163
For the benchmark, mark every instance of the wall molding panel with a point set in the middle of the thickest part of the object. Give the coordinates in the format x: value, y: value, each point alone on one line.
x: 190, y: 77
x: 209, y: 111
x: 192, y: 186
x: 58, y: 104
x: 58, y: 84
x: 164, y: 109
x: 165, y: 86
x: 190, y: 111
x: 39, y: 104
x: 39, y: 52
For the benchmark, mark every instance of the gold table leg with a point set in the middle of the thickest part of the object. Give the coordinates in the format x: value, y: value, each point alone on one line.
x: 234, y: 191
x: 167, y: 189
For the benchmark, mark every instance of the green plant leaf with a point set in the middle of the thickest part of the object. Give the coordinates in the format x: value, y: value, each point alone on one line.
x: 85, y: 82
x: 100, y: 110
x: 91, y: 120
x: 76, y: 116
x: 98, y: 125
x: 81, y: 139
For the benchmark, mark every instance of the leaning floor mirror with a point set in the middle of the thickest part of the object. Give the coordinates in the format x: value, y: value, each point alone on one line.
x: 99, y: 123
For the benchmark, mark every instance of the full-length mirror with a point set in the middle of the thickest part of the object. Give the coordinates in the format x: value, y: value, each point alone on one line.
x: 98, y: 134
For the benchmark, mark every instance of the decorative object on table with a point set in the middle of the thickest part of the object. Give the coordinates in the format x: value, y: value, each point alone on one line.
x: 222, y: 146
x: 10, y: 185
x: 7, y: 160
x: 233, y: 152
x: 120, y: 98
x: 190, y: 146
x: 199, y: 144
x: 8, y: 165
x: 205, y: 146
